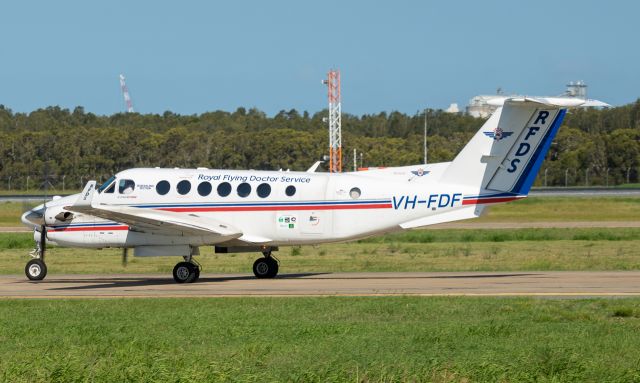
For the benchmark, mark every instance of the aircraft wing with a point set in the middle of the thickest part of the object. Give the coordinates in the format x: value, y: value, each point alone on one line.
x: 155, y: 221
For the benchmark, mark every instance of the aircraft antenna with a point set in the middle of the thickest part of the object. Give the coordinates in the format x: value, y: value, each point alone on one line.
x: 125, y: 94
x: 335, y: 121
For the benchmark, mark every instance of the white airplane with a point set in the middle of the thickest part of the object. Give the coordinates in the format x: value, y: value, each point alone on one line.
x: 162, y: 212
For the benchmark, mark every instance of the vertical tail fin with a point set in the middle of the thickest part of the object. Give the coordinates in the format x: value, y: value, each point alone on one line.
x: 507, y: 152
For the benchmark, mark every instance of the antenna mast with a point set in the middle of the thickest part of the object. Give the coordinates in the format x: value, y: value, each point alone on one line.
x: 125, y: 94
x: 425, y: 136
x: 335, y: 121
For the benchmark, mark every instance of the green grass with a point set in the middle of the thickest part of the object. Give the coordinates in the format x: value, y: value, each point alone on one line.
x: 320, y: 340
x: 40, y: 192
x: 490, y: 235
x: 425, y: 250
x: 565, y: 209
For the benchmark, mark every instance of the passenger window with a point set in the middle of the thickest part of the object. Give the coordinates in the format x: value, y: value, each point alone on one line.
x: 355, y: 193
x: 163, y: 187
x: 290, y: 190
x: 224, y: 189
x: 264, y: 190
x: 244, y: 189
x: 126, y: 186
x: 184, y: 187
x: 204, y: 189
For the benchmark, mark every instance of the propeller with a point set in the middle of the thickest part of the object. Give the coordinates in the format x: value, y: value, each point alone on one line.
x: 125, y: 255
x: 43, y: 227
x: 43, y: 241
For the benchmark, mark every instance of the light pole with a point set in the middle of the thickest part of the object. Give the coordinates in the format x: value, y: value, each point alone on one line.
x: 586, y: 176
x: 425, y: 136
x: 355, y: 160
x: 545, y: 176
x: 566, y: 177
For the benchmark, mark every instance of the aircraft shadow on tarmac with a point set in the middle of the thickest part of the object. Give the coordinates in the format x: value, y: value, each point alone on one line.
x: 124, y: 281
x: 409, y: 276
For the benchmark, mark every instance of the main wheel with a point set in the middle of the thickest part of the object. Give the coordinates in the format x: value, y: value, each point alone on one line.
x: 185, y: 272
x: 197, y: 273
x: 265, y: 267
x: 36, y: 270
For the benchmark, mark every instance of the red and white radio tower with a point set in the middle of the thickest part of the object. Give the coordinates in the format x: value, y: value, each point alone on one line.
x: 335, y: 121
x: 125, y: 93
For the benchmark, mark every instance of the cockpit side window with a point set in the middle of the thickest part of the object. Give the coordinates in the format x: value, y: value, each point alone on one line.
x: 107, y: 183
x: 126, y: 186
x: 111, y: 188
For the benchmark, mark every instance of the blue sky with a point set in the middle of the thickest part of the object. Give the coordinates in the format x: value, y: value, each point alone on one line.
x: 197, y: 56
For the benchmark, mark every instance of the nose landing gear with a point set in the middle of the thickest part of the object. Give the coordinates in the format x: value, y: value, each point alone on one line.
x: 36, y: 269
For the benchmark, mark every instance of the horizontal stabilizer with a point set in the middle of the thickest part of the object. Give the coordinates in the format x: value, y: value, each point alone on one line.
x: 455, y: 215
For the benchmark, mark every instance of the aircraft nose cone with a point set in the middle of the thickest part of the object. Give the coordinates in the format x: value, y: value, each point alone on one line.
x: 33, y: 217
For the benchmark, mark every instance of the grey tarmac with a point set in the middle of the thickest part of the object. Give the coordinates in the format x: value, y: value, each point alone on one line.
x: 544, y: 284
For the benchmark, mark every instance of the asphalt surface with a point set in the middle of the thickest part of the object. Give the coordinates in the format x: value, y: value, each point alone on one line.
x: 546, y: 284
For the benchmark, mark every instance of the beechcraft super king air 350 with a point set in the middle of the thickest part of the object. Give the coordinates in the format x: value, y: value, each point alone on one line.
x: 163, y: 212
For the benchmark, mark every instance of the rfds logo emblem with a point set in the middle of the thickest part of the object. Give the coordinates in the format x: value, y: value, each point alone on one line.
x: 420, y: 172
x: 497, y: 134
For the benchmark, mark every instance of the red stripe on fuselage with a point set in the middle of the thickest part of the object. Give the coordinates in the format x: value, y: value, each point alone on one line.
x: 477, y: 201
x: 89, y: 228
x: 278, y: 208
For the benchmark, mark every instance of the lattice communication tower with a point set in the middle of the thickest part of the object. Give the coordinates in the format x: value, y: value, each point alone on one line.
x: 335, y: 121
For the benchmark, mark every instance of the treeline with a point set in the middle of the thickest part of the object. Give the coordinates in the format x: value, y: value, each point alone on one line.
x: 591, y: 146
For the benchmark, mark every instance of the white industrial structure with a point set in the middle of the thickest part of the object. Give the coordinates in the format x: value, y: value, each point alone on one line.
x: 125, y: 94
x: 453, y: 108
x: 577, y: 89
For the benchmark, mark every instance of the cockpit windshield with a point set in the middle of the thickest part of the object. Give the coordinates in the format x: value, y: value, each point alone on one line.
x: 106, y: 184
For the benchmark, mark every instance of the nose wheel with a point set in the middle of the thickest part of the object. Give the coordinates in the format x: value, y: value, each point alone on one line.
x: 266, y: 267
x: 36, y: 270
x: 186, y: 272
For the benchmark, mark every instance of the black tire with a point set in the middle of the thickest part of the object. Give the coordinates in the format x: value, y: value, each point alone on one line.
x: 35, y: 270
x: 197, y: 273
x: 184, y: 272
x: 265, y: 267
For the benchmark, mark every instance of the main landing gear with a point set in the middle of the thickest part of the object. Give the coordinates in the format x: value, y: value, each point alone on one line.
x: 187, y: 271
x: 265, y: 267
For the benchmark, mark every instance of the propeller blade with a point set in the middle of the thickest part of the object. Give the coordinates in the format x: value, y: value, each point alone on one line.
x: 125, y: 255
x: 43, y: 240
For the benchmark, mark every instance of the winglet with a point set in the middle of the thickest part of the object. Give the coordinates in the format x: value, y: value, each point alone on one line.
x: 86, y: 196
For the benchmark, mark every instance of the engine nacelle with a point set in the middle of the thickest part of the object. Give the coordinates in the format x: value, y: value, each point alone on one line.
x: 56, y: 215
